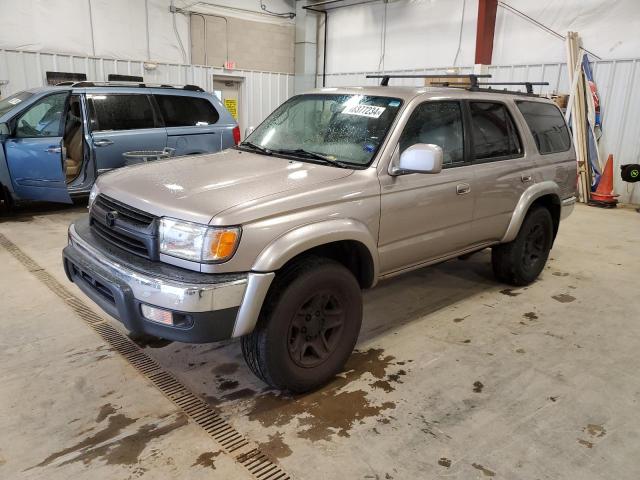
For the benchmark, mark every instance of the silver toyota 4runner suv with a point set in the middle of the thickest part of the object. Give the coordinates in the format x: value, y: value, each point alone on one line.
x: 274, y: 240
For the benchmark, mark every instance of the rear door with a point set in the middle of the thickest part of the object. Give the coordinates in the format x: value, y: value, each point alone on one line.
x: 122, y: 122
x: 34, y: 152
x: 502, y: 170
x: 193, y: 124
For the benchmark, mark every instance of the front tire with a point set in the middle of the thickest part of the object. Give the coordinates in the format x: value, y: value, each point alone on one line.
x: 520, y: 262
x: 308, y: 326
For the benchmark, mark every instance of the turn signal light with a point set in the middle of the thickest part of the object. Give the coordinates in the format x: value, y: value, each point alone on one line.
x: 223, y: 244
x: 157, y: 315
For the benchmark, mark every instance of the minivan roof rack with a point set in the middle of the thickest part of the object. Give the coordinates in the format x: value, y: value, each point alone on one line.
x: 88, y: 84
x: 473, y: 78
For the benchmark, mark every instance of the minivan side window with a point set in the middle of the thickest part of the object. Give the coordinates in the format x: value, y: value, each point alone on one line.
x: 547, y: 126
x: 120, y: 112
x: 182, y: 111
x: 438, y: 123
x: 43, y: 119
x: 494, y: 132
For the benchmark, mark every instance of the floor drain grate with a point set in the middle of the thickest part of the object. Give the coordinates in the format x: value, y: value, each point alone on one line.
x: 231, y: 441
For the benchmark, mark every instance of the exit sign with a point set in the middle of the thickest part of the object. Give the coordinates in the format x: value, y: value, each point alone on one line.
x: 229, y: 65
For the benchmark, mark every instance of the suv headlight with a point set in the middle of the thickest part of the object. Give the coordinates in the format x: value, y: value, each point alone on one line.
x: 199, y: 243
x: 95, y: 191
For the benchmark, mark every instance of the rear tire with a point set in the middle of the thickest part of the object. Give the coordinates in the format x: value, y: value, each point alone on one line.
x: 308, y: 326
x: 520, y: 262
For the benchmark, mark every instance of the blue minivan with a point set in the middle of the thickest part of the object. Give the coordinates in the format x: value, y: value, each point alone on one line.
x: 55, y: 141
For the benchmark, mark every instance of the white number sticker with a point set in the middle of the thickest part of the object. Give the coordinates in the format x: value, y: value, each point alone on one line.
x: 14, y: 101
x: 364, y: 110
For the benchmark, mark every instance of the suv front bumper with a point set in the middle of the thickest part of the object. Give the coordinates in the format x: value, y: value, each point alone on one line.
x: 204, y: 307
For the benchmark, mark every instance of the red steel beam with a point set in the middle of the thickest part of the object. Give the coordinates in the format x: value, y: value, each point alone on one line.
x: 484, y: 33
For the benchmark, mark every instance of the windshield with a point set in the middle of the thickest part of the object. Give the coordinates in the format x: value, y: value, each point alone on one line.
x: 12, y: 101
x: 340, y: 127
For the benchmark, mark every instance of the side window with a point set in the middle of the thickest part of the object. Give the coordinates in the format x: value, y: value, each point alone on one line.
x: 439, y: 123
x: 494, y: 133
x: 120, y: 112
x: 547, y: 126
x: 42, y: 119
x: 183, y: 111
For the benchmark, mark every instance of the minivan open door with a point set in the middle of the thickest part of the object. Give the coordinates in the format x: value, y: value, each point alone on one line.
x: 34, y: 152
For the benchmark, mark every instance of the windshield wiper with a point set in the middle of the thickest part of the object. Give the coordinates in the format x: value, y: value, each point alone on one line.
x: 301, y: 152
x: 254, y: 146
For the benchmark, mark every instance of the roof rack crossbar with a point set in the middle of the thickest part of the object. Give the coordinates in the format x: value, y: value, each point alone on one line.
x: 528, y: 85
x: 473, y: 78
x: 86, y: 83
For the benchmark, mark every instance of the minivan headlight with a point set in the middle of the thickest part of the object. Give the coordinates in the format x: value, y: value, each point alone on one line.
x: 95, y: 191
x: 199, y: 243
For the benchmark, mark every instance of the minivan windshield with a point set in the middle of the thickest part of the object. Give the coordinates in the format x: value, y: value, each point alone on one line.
x: 14, y: 100
x: 339, y: 129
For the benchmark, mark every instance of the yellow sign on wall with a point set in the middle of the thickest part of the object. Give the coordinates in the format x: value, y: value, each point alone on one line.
x: 232, y: 105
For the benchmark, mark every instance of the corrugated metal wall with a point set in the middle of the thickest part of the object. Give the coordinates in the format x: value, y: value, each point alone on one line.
x: 618, y: 83
x: 261, y: 92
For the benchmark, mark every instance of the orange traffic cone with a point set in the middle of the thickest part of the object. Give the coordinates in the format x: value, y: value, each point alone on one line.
x: 603, y: 196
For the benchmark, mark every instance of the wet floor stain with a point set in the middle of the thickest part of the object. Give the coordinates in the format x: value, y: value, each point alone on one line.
x: 150, y: 341
x: 206, y: 460
x: 275, y: 448
x: 509, y: 292
x: 444, y: 461
x: 520, y: 350
x: 560, y: 274
x: 226, y: 384
x: 564, y: 298
x: 553, y: 399
x: 595, y: 430
x: 460, y: 319
x: 477, y: 386
x: 225, y: 369
x: 109, y: 446
x: 585, y: 443
x: 106, y: 410
x: 530, y: 316
x: 484, y: 470
x: 330, y: 410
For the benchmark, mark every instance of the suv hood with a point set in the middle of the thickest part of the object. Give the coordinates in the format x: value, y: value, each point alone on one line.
x: 197, y: 188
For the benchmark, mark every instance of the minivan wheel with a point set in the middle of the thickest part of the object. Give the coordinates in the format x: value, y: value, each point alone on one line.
x: 520, y: 262
x: 308, y: 326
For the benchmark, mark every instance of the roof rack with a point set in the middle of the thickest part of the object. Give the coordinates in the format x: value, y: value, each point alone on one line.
x: 473, y: 78
x: 473, y: 86
x: 528, y: 85
x: 87, y: 84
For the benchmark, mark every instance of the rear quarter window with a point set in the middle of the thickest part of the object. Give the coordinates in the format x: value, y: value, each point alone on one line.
x: 182, y: 111
x: 547, y: 126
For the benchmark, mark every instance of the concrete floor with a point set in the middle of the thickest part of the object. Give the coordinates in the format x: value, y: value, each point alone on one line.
x: 455, y: 376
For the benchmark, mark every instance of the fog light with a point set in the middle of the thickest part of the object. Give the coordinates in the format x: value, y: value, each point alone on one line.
x: 157, y: 314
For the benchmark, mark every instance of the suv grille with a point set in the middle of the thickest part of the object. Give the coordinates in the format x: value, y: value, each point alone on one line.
x: 126, y: 227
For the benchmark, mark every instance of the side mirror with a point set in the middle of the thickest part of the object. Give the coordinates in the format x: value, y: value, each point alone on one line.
x: 4, y: 130
x: 248, y: 131
x: 418, y: 158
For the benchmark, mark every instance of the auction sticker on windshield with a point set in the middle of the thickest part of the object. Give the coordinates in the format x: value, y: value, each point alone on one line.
x: 364, y: 110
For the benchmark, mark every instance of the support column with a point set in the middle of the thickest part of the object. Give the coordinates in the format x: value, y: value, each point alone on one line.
x: 305, y: 49
x: 485, y: 29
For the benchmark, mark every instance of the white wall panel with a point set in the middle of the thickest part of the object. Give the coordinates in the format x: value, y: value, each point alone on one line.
x: 618, y: 83
x: 260, y: 94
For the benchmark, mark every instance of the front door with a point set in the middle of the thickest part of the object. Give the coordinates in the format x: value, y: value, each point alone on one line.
x: 120, y: 123
x: 427, y: 216
x: 34, y: 152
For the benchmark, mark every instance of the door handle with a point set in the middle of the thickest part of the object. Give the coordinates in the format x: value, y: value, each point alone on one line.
x: 54, y: 149
x: 463, y: 188
x: 525, y: 178
x: 102, y: 142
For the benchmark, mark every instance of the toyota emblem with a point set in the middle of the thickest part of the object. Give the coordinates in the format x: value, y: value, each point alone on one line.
x: 111, y: 217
